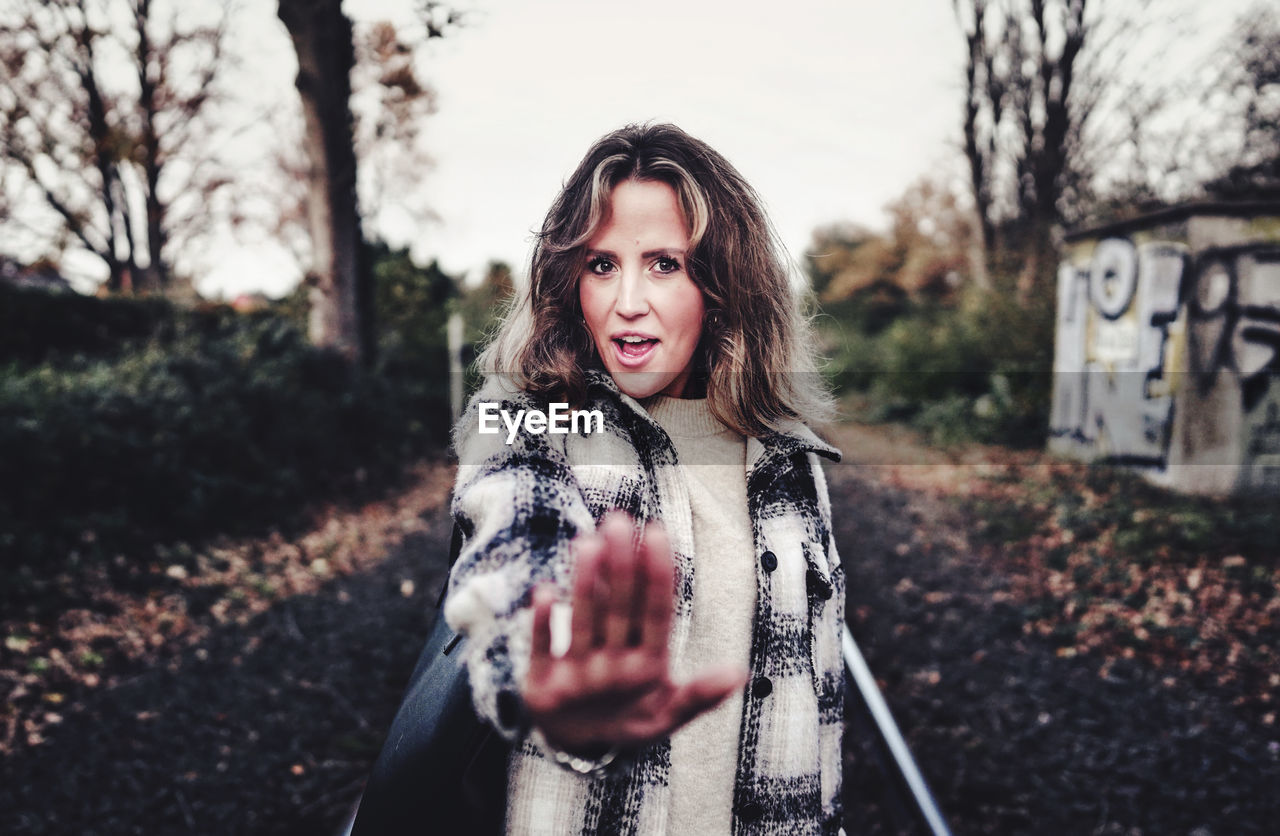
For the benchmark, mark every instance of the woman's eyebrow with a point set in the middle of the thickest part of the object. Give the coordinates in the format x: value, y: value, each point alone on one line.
x: 654, y: 253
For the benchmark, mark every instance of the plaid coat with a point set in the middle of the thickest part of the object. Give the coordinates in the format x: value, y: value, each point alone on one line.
x: 520, y: 505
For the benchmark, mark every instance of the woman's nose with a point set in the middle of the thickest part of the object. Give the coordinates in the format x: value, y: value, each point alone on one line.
x: 633, y: 297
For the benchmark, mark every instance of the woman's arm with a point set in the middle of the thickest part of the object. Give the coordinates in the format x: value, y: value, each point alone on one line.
x: 527, y: 524
x: 519, y: 508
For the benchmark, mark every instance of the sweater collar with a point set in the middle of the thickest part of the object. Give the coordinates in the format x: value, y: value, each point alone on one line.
x: 784, y: 441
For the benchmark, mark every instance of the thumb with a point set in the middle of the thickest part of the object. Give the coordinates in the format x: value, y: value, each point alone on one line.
x: 705, y: 691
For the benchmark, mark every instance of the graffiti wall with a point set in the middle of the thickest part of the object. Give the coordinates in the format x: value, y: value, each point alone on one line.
x: 1167, y: 357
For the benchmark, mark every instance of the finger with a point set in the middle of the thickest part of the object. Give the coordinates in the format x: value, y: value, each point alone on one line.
x: 561, y: 612
x: 535, y: 690
x: 704, y: 692
x: 619, y: 603
x: 541, y: 644
x: 589, y: 550
x: 658, y: 604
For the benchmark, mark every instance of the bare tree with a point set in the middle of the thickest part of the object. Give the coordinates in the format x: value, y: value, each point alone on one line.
x: 1250, y: 82
x: 323, y: 37
x: 92, y: 120
x: 1020, y: 75
x: 392, y: 103
x: 1075, y: 114
x: 339, y: 278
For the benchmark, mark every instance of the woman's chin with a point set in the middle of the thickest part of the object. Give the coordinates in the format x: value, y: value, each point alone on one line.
x: 640, y: 385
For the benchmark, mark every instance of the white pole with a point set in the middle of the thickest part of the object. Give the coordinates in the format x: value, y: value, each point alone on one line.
x: 455, y: 334
x: 906, y: 764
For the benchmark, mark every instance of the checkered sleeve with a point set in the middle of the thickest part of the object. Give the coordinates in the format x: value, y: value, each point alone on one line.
x: 519, y: 507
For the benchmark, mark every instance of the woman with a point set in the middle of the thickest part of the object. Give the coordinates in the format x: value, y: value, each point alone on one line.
x: 695, y: 686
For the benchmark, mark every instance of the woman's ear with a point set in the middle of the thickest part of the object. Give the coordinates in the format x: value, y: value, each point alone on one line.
x: 713, y: 322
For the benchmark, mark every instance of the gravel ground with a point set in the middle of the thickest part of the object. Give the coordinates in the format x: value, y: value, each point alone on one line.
x: 1012, y: 737
x: 268, y: 724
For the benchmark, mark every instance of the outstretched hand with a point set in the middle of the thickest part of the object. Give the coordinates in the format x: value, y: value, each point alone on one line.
x: 613, y: 686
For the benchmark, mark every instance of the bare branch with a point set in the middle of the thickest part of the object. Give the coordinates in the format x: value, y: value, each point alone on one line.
x: 96, y: 152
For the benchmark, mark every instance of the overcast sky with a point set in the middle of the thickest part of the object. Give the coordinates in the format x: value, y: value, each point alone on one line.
x: 831, y: 108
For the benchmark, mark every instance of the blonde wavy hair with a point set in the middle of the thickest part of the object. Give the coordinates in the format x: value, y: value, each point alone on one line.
x: 755, y: 358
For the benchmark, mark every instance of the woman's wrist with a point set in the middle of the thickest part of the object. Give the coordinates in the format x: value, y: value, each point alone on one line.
x: 592, y: 760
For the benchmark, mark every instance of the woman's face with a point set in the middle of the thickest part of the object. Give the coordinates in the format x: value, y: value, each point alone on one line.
x: 642, y: 309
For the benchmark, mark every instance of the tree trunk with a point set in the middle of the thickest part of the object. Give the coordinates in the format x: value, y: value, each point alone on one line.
x: 322, y: 38
x: 156, y: 277
x: 980, y: 251
x: 118, y: 279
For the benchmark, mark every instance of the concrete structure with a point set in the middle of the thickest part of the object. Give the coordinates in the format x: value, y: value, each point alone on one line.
x: 1167, y: 354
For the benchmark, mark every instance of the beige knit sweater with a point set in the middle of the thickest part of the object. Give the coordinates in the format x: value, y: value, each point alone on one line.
x: 704, y: 753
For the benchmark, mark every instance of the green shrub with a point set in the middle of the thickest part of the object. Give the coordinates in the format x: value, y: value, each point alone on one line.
x: 217, y: 423
x: 977, y: 372
x: 930, y: 356
x: 215, y: 433
x: 38, y: 326
x: 851, y: 358
x: 412, y: 306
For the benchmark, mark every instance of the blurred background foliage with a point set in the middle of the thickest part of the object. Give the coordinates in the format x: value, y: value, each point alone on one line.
x: 945, y: 320
x: 126, y: 421
x: 147, y: 413
x: 911, y: 337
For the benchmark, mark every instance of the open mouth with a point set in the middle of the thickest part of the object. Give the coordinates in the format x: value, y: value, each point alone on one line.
x: 634, y: 349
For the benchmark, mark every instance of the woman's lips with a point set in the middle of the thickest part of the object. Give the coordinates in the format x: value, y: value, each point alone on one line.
x: 633, y: 354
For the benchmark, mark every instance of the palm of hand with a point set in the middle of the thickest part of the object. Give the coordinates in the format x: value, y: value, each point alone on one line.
x: 612, y: 687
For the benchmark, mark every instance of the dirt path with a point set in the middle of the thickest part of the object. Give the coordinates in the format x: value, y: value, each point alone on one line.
x: 261, y: 715
x: 269, y: 720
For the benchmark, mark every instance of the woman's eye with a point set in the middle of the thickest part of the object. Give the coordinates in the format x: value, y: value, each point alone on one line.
x: 599, y: 265
x: 667, y: 265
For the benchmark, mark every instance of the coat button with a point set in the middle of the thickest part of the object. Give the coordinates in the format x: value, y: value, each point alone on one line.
x: 751, y: 811
x: 762, y: 687
x: 817, y: 584
x: 769, y: 561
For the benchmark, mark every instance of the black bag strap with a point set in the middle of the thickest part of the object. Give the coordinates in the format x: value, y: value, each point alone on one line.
x: 441, y: 770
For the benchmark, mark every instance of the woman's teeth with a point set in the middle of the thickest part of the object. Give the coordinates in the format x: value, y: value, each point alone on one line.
x: 634, y: 346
